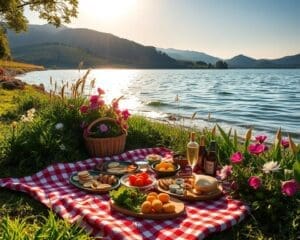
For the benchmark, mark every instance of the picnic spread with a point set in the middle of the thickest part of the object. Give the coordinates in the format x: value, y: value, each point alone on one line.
x: 187, y: 207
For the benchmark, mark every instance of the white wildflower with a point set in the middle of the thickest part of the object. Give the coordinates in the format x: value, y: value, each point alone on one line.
x: 29, y: 115
x: 271, y: 167
x: 24, y: 118
x: 62, y: 147
x: 31, y: 111
x: 59, y: 126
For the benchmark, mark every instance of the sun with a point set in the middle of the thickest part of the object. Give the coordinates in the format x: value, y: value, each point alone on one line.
x: 107, y: 10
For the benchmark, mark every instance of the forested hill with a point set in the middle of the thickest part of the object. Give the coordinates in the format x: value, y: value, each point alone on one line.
x: 66, y: 47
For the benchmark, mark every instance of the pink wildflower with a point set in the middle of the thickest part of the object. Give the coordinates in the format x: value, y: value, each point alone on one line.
x: 94, y: 105
x: 103, y: 128
x: 100, y: 91
x: 257, y: 148
x: 125, y: 114
x: 237, y: 157
x: 226, y: 171
x: 94, y: 99
x: 254, y: 182
x: 84, y: 109
x: 261, y: 138
x: 285, y: 143
x: 115, y: 104
x: 289, y: 188
x: 101, y: 102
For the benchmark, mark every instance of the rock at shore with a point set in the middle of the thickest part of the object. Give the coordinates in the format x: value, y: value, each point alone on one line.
x: 7, y: 81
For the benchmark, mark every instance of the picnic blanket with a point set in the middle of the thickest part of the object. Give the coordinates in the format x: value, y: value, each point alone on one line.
x: 51, y: 187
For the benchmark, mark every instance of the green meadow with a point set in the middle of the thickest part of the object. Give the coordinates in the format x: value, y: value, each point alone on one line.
x: 27, y: 147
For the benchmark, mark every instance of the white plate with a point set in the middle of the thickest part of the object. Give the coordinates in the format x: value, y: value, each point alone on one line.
x: 125, y: 181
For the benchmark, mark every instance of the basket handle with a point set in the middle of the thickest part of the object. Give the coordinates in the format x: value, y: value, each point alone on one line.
x: 104, y: 119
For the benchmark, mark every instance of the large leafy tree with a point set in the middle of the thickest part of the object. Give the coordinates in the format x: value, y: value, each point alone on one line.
x: 12, y: 16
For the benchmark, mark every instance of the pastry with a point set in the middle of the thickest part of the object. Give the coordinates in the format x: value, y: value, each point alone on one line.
x: 205, y: 184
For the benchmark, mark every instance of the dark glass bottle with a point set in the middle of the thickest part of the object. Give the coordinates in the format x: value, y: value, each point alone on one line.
x: 202, y: 153
x: 210, y: 163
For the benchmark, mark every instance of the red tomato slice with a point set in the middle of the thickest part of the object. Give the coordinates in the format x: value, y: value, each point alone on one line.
x: 144, y: 175
x: 139, y: 182
x: 148, y: 181
x: 132, y: 179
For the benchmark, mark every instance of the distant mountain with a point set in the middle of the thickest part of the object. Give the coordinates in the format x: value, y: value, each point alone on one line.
x: 59, y: 55
x: 186, y: 55
x: 242, y: 61
x: 65, y: 47
x: 96, y: 49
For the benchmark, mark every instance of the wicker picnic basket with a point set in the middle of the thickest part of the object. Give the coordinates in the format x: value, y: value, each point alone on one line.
x: 102, y: 147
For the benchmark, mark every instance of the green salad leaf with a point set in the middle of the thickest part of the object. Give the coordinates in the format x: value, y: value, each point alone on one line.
x: 129, y: 198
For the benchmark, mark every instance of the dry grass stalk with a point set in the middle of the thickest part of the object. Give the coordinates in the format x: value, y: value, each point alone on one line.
x: 194, y: 115
x: 62, y: 92
x: 248, y: 134
x: 92, y: 83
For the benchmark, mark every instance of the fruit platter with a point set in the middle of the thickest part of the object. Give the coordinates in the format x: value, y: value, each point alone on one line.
x: 94, y: 181
x: 153, y: 205
x: 193, y: 188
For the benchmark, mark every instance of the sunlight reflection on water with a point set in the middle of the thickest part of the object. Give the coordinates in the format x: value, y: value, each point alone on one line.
x: 265, y: 99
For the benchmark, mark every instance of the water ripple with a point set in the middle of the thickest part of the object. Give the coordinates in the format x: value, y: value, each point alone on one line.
x: 263, y: 98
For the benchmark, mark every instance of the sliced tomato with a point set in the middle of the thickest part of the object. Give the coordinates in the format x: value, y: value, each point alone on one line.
x: 132, y: 179
x: 139, y: 182
x: 144, y: 175
x: 148, y: 181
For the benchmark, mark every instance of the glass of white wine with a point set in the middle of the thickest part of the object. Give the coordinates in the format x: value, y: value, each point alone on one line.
x: 192, y: 151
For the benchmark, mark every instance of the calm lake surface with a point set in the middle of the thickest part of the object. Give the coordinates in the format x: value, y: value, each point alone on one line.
x: 264, y: 99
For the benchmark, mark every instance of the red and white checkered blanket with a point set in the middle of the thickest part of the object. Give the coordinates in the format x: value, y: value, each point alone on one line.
x: 51, y: 187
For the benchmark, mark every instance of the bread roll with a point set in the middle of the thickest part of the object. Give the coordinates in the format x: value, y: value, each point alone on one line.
x: 205, y: 183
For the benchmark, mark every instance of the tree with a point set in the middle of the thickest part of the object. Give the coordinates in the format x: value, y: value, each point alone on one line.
x: 221, y: 65
x: 12, y: 16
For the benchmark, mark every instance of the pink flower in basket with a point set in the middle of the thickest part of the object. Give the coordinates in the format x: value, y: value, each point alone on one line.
x: 125, y: 114
x: 114, y: 120
x: 84, y: 109
x: 94, y: 98
x: 103, y: 128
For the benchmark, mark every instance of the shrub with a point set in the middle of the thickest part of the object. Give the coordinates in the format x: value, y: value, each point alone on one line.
x: 262, y: 175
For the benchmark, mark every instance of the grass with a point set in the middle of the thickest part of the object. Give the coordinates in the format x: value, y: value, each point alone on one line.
x: 19, y: 66
x: 22, y: 217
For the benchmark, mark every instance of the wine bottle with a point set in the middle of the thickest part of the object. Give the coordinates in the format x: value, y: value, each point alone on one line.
x: 202, y: 153
x: 192, y: 151
x: 210, y: 163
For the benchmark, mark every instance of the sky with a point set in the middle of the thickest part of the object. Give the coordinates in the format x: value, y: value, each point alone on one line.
x: 222, y: 28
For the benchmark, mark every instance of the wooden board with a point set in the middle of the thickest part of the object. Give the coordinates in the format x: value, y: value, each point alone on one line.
x: 73, y: 180
x: 179, y: 210
x: 192, y: 195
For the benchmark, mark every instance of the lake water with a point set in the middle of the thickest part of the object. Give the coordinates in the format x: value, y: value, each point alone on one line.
x: 264, y: 99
